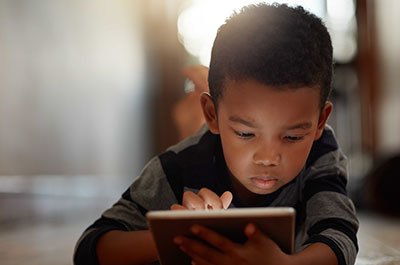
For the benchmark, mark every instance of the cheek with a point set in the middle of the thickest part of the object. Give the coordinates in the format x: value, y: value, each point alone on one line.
x: 237, y: 156
x: 297, y: 156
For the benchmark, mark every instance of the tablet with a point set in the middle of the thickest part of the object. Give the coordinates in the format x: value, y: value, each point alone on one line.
x: 276, y: 222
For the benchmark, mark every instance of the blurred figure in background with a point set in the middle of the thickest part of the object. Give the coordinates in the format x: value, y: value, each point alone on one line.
x: 187, y: 113
x: 381, y: 188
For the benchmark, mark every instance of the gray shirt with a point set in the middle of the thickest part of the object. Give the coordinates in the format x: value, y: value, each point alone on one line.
x: 324, y: 212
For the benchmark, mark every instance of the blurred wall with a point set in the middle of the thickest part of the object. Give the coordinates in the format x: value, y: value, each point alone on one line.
x: 86, y: 87
x: 74, y: 87
x: 388, y: 36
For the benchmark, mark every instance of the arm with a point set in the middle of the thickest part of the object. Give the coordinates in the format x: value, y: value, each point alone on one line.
x: 328, y: 213
x: 138, y: 247
x: 317, y: 253
x: 114, y: 241
x: 121, y: 235
x: 120, y: 247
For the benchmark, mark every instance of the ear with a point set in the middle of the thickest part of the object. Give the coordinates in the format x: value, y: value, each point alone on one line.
x: 209, y: 112
x: 323, y: 118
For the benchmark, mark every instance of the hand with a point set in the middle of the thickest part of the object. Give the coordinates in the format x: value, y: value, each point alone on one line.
x: 187, y: 113
x: 204, y: 200
x: 259, y: 249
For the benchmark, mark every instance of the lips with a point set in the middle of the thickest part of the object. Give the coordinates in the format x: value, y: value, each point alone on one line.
x: 264, y: 182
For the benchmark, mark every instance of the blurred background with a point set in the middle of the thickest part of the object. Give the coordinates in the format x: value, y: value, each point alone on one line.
x: 86, y: 94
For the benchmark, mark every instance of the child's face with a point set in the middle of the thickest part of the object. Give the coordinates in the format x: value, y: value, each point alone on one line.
x: 266, y: 133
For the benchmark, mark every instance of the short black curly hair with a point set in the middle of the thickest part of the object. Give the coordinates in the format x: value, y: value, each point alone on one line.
x: 276, y: 45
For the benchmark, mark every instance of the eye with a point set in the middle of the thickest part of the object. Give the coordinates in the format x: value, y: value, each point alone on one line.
x: 293, y: 139
x: 244, y: 135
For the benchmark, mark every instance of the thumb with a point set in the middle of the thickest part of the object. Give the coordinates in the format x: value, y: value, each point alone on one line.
x: 226, y: 199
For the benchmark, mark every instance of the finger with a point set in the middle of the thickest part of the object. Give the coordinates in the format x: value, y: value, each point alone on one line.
x: 177, y: 207
x: 192, y: 201
x: 214, y: 239
x: 196, y: 260
x: 226, y: 199
x: 254, y: 234
x: 211, y: 200
x: 197, y: 250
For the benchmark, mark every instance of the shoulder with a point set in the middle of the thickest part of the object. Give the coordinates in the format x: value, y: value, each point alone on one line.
x: 190, y: 141
x: 192, y: 163
x: 194, y: 150
x: 326, y: 167
x: 326, y: 144
x: 326, y: 155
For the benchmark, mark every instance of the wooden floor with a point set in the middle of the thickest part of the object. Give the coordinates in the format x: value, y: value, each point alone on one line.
x: 41, y: 228
x: 30, y: 234
x: 379, y: 239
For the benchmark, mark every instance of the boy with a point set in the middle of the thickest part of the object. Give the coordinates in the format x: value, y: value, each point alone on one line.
x: 266, y: 144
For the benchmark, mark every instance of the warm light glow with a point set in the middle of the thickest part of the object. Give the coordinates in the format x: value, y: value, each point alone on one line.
x: 342, y: 10
x: 345, y: 47
x: 198, y: 25
x: 341, y: 23
x: 199, y: 22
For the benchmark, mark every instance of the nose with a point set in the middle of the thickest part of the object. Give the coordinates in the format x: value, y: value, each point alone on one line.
x: 267, y: 155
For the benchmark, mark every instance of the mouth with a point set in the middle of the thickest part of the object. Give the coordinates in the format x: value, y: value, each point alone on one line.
x: 263, y: 182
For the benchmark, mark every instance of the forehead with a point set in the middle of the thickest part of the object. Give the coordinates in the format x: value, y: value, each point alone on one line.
x: 251, y: 86
x: 252, y: 98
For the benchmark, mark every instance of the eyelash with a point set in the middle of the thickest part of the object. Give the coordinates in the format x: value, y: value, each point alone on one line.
x: 294, y: 139
x: 246, y: 136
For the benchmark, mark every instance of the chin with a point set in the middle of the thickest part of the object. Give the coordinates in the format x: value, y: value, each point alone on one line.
x: 263, y: 191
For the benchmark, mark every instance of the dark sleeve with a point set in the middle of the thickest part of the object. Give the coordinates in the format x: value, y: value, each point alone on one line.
x: 85, y: 252
x: 330, y: 216
x: 150, y: 191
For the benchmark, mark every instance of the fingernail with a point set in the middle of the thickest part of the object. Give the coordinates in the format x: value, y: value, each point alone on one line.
x: 251, y: 229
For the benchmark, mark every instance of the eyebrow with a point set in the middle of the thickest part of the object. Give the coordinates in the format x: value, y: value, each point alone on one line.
x: 242, y: 121
x: 303, y: 125
x: 251, y: 124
